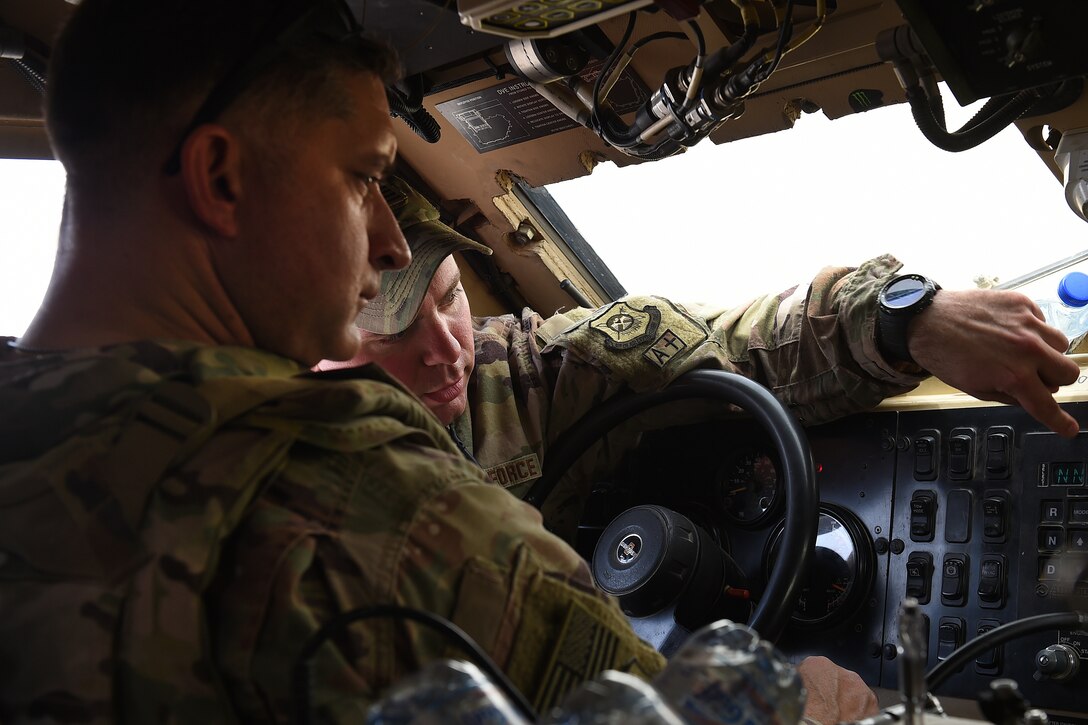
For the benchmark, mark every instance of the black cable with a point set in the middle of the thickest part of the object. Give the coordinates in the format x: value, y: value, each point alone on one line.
x: 36, y: 81
x: 626, y: 137
x: 977, y: 130
x: 420, y: 121
x: 663, y: 149
x: 784, y: 36
x: 26, y: 54
x: 607, y: 124
x: 700, y: 41
x: 412, y: 89
x: 302, y: 673
x: 724, y: 59
x: 998, y: 636
x: 691, y: 96
x: 741, y: 84
x: 663, y: 35
x: 606, y: 69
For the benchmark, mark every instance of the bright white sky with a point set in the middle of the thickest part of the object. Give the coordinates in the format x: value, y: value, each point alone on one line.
x: 723, y: 223
x: 31, y: 195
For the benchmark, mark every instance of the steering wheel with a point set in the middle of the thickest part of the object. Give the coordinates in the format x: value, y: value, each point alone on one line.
x: 785, y: 582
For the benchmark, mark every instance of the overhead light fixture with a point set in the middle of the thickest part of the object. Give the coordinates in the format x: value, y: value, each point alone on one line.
x: 540, y: 18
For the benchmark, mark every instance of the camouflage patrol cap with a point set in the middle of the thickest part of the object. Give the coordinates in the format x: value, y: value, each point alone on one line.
x: 430, y: 240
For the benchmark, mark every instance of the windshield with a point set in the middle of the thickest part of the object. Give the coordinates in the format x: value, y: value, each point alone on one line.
x: 724, y: 223
x: 31, y: 199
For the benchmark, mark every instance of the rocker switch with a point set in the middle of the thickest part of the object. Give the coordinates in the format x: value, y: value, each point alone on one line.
x: 919, y: 576
x: 923, y: 513
x: 961, y: 454
x: 926, y: 449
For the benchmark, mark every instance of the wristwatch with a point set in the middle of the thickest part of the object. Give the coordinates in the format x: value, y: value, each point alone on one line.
x: 900, y: 300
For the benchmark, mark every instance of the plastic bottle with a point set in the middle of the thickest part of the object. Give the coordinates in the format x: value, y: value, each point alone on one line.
x: 725, y: 673
x: 613, y: 698
x: 1069, y: 310
x: 445, y: 692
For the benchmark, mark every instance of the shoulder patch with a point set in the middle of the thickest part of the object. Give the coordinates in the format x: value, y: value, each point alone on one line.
x: 664, y: 348
x: 625, y: 326
x: 642, y: 341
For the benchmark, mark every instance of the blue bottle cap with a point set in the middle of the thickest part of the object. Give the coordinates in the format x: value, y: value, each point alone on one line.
x: 1073, y: 289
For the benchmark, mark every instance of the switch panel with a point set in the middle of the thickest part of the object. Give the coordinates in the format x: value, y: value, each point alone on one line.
x: 975, y: 552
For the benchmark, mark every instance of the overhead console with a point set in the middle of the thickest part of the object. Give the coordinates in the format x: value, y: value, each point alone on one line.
x: 541, y: 92
x: 571, y: 55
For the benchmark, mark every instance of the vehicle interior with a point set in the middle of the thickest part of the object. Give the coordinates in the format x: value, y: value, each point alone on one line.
x: 972, y: 509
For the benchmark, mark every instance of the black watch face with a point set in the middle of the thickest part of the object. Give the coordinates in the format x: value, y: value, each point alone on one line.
x: 904, y: 292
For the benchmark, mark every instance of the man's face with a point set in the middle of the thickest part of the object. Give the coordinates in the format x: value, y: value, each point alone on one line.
x: 433, y: 357
x: 315, y: 232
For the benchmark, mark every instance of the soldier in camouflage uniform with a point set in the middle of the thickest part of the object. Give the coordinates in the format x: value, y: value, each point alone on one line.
x: 183, y: 503
x: 507, y: 386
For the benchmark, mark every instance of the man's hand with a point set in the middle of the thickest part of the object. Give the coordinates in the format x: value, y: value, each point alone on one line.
x: 834, y: 694
x: 995, y: 345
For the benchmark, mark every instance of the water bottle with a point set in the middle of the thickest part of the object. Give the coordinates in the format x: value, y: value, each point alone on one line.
x: 724, y: 673
x: 613, y: 698
x: 445, y: 692
x: 1069, y: 310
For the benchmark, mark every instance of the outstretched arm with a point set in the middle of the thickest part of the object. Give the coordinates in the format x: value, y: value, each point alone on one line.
x: 994, y: 345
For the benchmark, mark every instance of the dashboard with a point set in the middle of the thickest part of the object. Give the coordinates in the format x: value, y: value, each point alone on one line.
x: 978, y: 513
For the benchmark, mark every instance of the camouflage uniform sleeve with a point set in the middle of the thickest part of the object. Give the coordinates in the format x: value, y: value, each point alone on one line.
x: 815, y: 348
x: 403, y: 523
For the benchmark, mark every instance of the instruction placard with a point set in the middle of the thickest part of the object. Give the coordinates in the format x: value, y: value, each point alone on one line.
x: 513, y: 112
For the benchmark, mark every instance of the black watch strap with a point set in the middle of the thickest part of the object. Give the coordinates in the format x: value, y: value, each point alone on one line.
x: 891, y: 337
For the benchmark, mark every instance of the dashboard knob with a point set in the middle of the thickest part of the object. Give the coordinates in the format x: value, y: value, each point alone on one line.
x: 1057, y: 662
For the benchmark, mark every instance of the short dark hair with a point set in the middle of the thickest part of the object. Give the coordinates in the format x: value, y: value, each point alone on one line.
x: 126, y: 76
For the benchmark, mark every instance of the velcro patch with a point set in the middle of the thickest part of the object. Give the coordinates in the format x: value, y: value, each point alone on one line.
x: 665, y: 348
x: 516, y: 471
x: 642, y: 341
x: 624, y: 326
x: 586, y: 647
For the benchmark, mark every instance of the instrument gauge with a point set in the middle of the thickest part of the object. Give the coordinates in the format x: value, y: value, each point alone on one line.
x: 841, y: 574
x: 748, y: 486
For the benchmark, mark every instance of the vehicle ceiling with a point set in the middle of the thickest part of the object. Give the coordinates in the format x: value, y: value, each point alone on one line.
x: 450, y: 61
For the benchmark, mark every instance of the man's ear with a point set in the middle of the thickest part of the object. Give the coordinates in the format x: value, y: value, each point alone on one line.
x: 211, y: 172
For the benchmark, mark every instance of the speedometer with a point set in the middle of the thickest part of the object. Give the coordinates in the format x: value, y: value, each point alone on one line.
x: 748, y: 484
